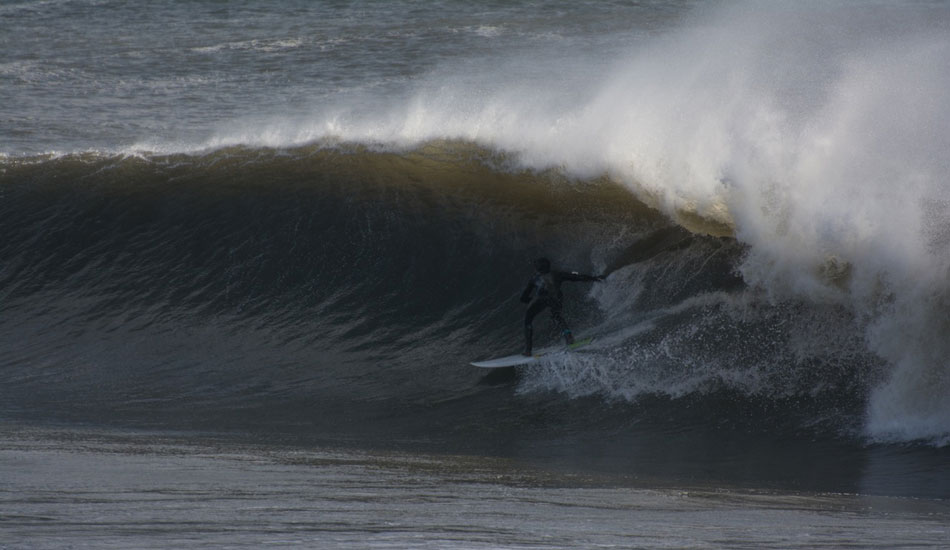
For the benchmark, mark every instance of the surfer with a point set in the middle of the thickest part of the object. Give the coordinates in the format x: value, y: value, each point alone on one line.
x: 544, y: 291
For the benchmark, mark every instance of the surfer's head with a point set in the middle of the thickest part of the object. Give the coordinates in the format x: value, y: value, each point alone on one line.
x: 543, y: 265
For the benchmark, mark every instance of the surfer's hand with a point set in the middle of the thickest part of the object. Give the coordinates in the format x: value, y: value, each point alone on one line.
x: 600, y: 278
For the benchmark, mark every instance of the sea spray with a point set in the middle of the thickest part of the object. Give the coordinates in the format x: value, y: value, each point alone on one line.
x: 817, y: 133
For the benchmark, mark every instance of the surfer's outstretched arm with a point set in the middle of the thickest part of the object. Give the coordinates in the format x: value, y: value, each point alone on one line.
x: 575, y: 276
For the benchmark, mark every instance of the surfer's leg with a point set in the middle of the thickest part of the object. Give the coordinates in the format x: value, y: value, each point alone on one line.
x: 561, y: 324
x: 533, y: 309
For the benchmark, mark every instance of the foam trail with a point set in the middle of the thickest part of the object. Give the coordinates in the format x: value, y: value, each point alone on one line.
x: 817, y: 133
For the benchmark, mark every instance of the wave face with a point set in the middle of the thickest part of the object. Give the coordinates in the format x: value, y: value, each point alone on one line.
x: 327, y: 280
x: 245, y: 274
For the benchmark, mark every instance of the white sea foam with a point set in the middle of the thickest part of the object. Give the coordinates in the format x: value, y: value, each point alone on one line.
x: 269, y: 45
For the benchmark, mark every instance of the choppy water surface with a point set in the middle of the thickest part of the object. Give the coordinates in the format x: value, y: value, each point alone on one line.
x: 117, y: 491
x: 297, y: 224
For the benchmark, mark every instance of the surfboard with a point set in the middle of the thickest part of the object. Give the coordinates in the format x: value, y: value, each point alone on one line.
x: 520, y: 359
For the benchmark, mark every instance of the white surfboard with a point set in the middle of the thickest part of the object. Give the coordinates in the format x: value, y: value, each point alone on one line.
x: 520, y: 359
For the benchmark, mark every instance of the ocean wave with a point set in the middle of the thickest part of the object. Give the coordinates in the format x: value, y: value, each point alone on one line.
x: 781, y: 147
x: 259, y: 279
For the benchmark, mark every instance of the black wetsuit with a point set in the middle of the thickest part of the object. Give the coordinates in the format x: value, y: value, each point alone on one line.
x: 544, y: 291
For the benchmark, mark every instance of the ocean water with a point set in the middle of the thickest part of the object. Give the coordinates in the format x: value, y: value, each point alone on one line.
x: 291, y: 226
x: 96, y: 490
